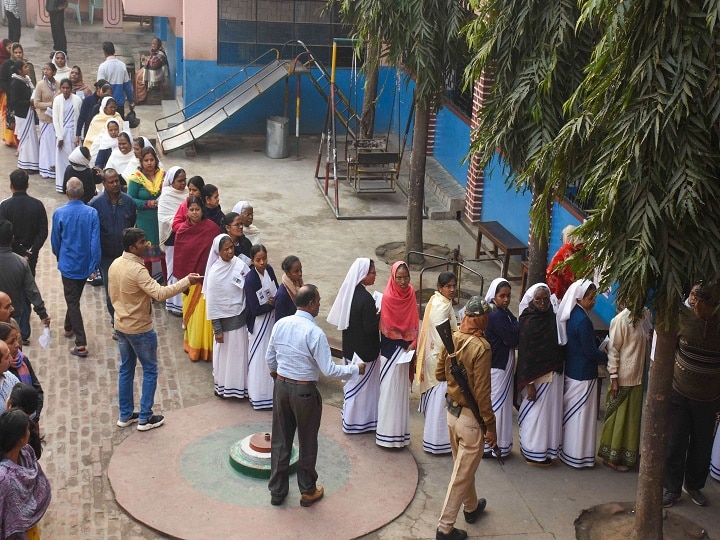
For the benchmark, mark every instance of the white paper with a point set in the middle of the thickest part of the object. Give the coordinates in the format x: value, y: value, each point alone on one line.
x: 48, y: 111
x: 244, y: 258
x: 604, y: 345
x: 265, y: 293
x: 44, y: 338
x: 652, y: 347
x: 405, y: 356
x: 238, y: 278
x: 262, y: 296
x: 377, y: 296
x: 356, y: 361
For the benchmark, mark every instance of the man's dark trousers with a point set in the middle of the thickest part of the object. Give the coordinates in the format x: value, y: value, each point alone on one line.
x: 294, y: 406
x: 690, y: 440
x: 73, y: 289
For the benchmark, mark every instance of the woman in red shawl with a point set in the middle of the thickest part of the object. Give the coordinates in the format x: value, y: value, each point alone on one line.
x: 193, y: 241
x: 399, y: 326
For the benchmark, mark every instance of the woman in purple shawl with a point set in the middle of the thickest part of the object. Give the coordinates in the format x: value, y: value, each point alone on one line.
x: 25, y: 493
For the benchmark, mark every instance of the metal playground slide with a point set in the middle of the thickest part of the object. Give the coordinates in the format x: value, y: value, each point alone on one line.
x: 217, y: 105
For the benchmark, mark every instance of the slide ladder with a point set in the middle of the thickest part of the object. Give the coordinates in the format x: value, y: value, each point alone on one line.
x: 320, y: 78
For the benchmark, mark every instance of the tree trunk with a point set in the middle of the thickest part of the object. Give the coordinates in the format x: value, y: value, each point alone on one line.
x: 367, y: 117
x: 648, y: 509
x: 416, y: 184
x: 537, y: 245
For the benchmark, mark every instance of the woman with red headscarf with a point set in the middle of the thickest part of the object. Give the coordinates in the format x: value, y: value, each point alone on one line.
x: 399, y: 324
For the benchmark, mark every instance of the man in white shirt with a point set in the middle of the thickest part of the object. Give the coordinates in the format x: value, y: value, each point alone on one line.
x: 297, y: 353
x: 114, y: 71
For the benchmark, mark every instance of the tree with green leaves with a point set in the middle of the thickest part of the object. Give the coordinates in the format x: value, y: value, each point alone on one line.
x: 424, y: 37
x: 644, y: 138
x: 537, y: 59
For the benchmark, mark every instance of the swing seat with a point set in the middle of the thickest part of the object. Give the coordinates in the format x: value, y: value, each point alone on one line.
x: 373, y: 172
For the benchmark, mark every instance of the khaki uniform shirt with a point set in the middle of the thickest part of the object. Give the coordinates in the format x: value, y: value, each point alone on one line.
x: 475, y: 355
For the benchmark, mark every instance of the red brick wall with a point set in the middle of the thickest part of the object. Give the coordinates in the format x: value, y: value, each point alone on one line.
x: 476, y: 173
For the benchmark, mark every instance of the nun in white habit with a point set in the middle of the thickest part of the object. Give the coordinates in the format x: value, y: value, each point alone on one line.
x: 224, y: 292
x: 539, y: 378
x: 355, y: 313
x: 582, y: 356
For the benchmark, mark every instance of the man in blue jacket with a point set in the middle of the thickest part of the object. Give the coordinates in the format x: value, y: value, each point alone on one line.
x: 75, y: 242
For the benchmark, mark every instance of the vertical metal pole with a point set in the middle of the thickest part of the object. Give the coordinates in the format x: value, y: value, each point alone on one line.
x: 334, y: 134
x: 297, y: 118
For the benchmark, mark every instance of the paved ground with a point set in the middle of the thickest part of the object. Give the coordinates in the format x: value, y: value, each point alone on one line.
x: 81, y: 403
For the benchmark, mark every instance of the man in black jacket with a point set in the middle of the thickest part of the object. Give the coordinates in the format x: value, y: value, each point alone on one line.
x: 28, y: 217
x: 18, y: 283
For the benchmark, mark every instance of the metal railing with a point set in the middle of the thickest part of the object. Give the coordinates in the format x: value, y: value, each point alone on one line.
x: 457, y: 268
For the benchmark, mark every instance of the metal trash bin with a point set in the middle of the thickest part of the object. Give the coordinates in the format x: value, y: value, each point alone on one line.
x: 276, y: 137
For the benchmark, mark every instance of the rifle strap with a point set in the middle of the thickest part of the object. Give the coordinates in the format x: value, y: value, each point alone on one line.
x: 466, y: 392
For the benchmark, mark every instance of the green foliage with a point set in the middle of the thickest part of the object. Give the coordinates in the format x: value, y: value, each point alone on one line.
x: 537, y: 58
x: 644, y: 138
x: 423, y: 36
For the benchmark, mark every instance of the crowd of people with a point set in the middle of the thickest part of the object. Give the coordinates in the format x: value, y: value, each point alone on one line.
x: 150, y: 232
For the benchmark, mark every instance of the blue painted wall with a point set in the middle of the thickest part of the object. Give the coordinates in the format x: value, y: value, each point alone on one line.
x: 511, y: 209
x: 502, y: 204
x: 452, y: 141
x: 160, y: 27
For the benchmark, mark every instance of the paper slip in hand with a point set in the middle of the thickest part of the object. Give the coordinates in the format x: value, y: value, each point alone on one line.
x: 44, y: 339
x: 604, y: 345
x: 377, y: 296
x: 271, y: 289
x: 263, y: 297
x: 405, y: 356
x: 356, y: 361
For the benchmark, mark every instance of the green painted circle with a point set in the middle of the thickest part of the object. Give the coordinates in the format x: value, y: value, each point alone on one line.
x: 205, y: 464
x: 254, y: 466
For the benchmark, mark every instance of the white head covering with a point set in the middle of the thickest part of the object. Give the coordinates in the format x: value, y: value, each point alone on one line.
x: 62, y: 72
x: 106, y: 141
x: 104, y: 102
x: 77, y: 160
x: 168, y: 203
x: 170, y: 175
x: 530, y: 294
x: 492, y: 290
x: 340, y: 311
x: 575, y: 292
x: 251, y: 232
x: 223, y: 284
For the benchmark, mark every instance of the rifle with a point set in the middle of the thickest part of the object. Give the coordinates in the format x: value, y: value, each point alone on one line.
x: 460, y: 375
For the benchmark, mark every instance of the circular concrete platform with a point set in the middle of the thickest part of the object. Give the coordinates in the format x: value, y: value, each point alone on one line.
x: 178, y: 479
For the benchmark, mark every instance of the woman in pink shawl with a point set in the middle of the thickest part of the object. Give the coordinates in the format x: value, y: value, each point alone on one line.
x: 399, y: 324
x: 25, y: 493
x: 193, y: 241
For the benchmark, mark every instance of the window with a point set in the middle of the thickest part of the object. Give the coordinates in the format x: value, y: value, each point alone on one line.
x: 249, y: 28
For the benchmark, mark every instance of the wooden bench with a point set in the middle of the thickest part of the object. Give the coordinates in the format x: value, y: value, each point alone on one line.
x: 335, y: 347
x: 373, y: 166
x: 502, y: 240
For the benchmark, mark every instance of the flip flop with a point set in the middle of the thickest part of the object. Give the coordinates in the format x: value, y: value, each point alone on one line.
x: 82, y: 353
x: 618, y: 468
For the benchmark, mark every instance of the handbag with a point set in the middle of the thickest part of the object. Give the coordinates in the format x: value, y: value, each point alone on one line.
x: 132, y: 119
x: 10, y: 120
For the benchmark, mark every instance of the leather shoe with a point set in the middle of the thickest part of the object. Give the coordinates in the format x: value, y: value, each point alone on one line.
x: 471, y: 517
x: 455, y: 534
x: 277, y: 500
x: 308, y: 499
